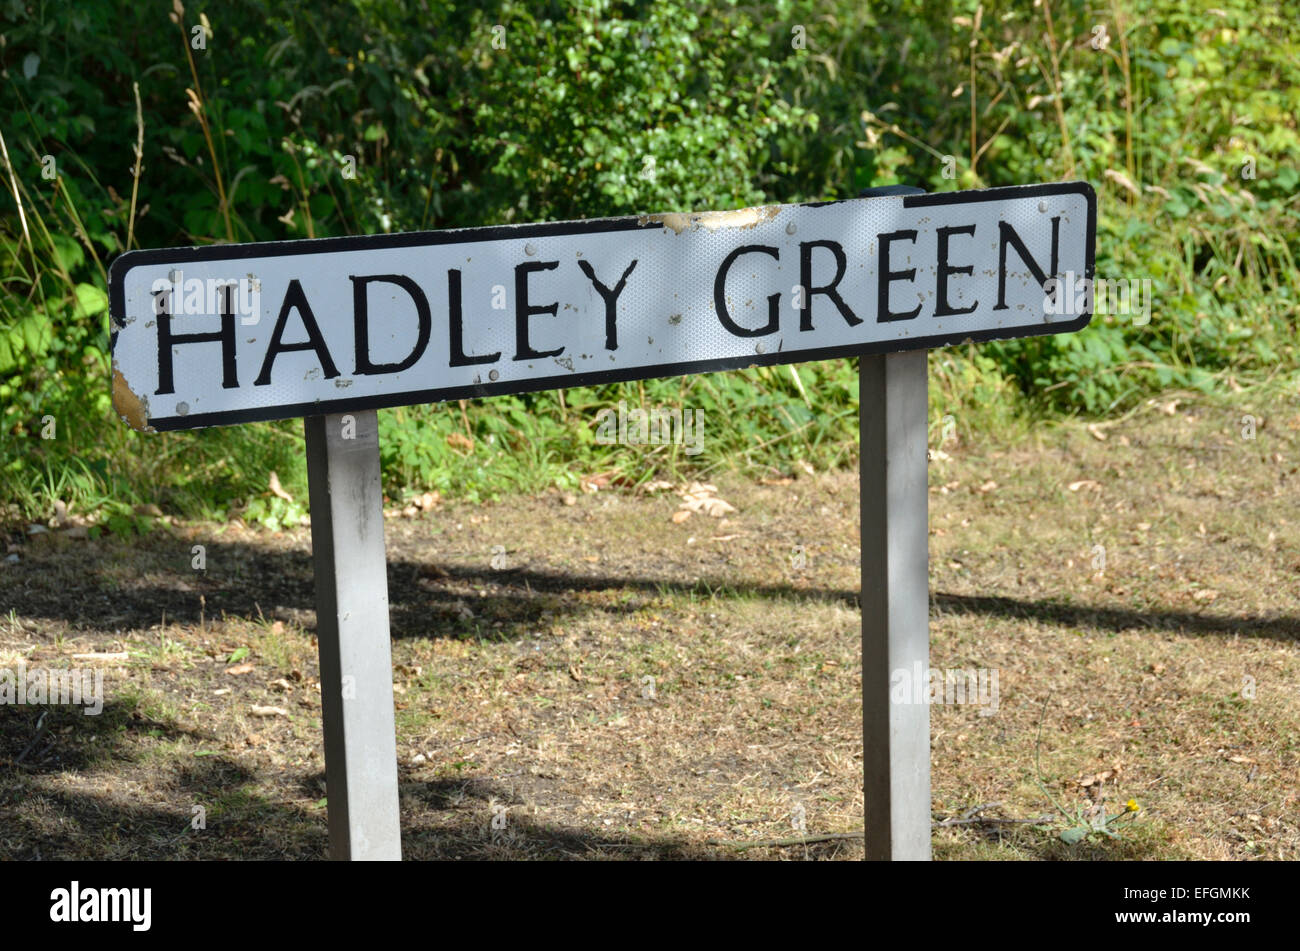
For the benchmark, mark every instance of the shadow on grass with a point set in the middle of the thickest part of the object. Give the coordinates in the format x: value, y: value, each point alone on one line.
x: 99, y: 788
x: 426, y: 599
x: 430, y: 599
x: 1285, y: 628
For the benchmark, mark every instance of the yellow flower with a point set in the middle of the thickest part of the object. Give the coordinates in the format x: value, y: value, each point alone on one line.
x: 1132, y: 805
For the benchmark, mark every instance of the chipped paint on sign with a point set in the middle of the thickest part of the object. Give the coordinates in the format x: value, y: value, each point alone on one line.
x: 742, y: 219
x: 132, y: 408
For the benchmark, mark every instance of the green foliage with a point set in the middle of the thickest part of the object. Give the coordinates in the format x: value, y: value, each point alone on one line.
x: 1196, y: 182
x: 369, y: 116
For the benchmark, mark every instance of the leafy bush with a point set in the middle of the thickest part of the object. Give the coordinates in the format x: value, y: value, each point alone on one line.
x: 263, y: 121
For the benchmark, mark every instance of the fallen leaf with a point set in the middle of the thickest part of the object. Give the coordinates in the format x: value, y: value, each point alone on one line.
x: 680, y: 516
x: 1084, y: 483
x: 701, y: 497
x: 1095, y: 432
x: 715, y: 508
x: 244, y: 668
x: 268, y: 711
x: 594, y: 483
x: 1205, y: 594
x: 1098, y: 778
x: 278, y: 490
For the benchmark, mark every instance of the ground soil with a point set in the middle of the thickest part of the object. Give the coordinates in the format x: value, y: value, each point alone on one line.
x: 621, y: 685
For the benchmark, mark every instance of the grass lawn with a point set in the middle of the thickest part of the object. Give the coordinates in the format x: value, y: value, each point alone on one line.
x: 628, y: 686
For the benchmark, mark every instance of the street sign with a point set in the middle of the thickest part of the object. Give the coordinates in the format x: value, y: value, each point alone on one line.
x: 238, y: 333
x: 334, y: 329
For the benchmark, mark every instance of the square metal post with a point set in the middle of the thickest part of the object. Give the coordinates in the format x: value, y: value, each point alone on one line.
x: 356, y: 667
x: 895, y: 603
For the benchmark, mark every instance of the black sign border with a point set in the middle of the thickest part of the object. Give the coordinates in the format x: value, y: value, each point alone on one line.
x: 226, y: 252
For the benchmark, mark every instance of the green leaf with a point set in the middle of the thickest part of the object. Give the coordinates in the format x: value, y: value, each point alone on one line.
x: 68, y: 252
x: 91, y: 299
x: 1075, y: 835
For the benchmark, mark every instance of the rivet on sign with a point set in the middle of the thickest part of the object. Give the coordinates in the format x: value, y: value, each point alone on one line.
x: 1042, y: 206
x: 759, y: 348
x: 790, y: 228
x: 530, y: 249
x: 182, y: 409
x: 493, y: 375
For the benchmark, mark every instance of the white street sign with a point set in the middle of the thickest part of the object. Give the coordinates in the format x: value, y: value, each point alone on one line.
x: 236, y: 333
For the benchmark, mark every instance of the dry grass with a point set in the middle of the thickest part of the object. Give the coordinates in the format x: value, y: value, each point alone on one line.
x: 526, y: 688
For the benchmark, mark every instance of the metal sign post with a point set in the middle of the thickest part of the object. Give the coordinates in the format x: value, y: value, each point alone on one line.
x: 895, y: 603
x: 356, y: 665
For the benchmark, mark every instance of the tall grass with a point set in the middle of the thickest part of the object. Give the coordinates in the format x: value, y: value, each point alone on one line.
x: 1164, y: 119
